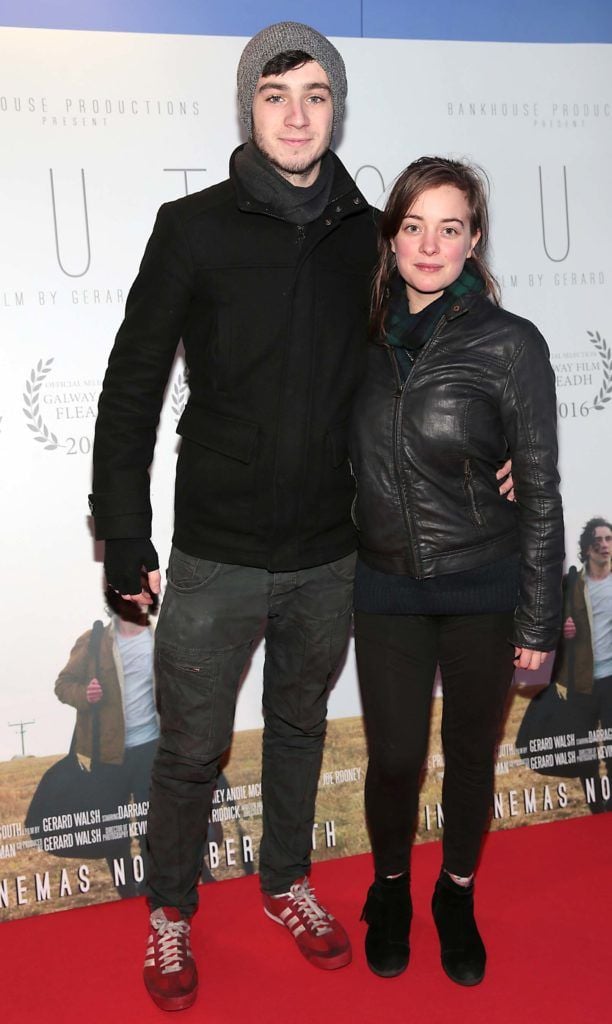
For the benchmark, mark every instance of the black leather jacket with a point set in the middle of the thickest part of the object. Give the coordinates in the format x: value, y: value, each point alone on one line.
x: 425, y: 453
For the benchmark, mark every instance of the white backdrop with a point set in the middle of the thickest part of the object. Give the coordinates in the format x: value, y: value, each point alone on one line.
x: 98, y: 130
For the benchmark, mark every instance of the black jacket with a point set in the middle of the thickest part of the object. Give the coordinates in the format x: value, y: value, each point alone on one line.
x: 425, y: 455
x: 273, y: 319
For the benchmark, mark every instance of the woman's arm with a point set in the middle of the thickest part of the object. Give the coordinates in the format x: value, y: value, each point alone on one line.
x: 529, y: 416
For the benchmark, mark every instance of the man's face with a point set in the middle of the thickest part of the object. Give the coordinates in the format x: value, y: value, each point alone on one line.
x: 292, y: 121
x: 600, y: 551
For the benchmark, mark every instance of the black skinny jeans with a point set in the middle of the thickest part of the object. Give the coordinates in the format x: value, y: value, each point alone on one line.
x: 396, y: 658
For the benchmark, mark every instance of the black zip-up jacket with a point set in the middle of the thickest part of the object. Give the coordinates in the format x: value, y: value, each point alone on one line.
x: 425, y: 454
x: 273, y: 318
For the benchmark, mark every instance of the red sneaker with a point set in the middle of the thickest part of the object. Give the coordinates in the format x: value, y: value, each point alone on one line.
x: 319, y: 937
x: 170, y: 973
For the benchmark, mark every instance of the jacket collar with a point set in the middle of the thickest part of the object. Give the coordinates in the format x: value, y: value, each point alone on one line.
x: 462, y: 304
x: 345, y: 198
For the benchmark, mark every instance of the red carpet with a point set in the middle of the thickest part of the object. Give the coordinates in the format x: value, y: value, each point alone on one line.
x: 544, y: 899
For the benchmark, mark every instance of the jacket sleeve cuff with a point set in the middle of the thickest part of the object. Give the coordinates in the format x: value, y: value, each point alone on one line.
x: 122, y: 527
x: 540, y: 639
x: 120, y: 517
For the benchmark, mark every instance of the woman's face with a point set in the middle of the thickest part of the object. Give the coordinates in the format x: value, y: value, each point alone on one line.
x: 433, y: 243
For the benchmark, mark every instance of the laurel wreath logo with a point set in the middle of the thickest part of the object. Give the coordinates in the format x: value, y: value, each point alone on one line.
x: 605, y: 392
x: 39, y: 428
x: 31, y: 410
x: 180, y: 389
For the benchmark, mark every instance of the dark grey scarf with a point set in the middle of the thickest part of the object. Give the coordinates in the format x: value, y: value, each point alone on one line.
x: 290, y: 202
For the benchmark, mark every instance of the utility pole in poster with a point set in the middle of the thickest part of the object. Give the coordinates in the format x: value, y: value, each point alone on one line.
x: 21, y: 727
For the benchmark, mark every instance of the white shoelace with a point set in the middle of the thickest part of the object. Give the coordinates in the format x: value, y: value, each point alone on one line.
x: 173, y: 942
x: 317, y: 917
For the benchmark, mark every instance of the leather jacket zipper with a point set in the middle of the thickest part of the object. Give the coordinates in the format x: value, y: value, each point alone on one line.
x: 399, y: 397
x: 407, y: 515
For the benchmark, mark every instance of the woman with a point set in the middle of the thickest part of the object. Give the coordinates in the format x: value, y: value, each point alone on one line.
x: 449, y: 572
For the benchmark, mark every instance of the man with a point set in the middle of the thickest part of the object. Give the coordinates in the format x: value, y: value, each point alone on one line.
x: 266, y: 279
x: 122, y: 689
x: 584, y: 659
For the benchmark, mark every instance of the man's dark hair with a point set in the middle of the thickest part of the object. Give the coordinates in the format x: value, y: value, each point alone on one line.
x: 587, y: 537
x: 285, y: 61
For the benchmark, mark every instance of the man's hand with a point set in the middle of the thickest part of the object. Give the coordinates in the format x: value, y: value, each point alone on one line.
x: 530, y: 660
x: 124, y: 561
x: 569, y: 628
x: 94, y: 692
x: 507, y: 483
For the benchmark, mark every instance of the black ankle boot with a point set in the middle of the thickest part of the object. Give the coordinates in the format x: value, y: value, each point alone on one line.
x: 462, y: 950
x: 388, y: 912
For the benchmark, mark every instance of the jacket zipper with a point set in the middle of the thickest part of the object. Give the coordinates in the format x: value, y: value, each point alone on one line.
x: 399, y: 396
x: 406, y: 513
x: 303, y: 252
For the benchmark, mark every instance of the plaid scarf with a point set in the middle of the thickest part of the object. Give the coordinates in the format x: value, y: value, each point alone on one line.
x: 406, y: 330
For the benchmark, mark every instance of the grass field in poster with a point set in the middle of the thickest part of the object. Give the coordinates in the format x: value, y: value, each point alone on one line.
x: 33, y: 881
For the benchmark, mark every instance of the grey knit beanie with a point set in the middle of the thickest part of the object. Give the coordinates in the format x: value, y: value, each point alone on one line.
x: 275, y: 39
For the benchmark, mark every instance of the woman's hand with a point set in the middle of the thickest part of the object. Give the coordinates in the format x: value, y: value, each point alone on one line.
x: 528, y: 659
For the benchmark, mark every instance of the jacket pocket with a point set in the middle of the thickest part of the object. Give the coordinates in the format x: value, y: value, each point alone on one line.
x: 223, y: 434
x: 354, y: 513
x: 187, y: 573
x: 337, y: 437
x: 330, y: 485
x: 470, y: 494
